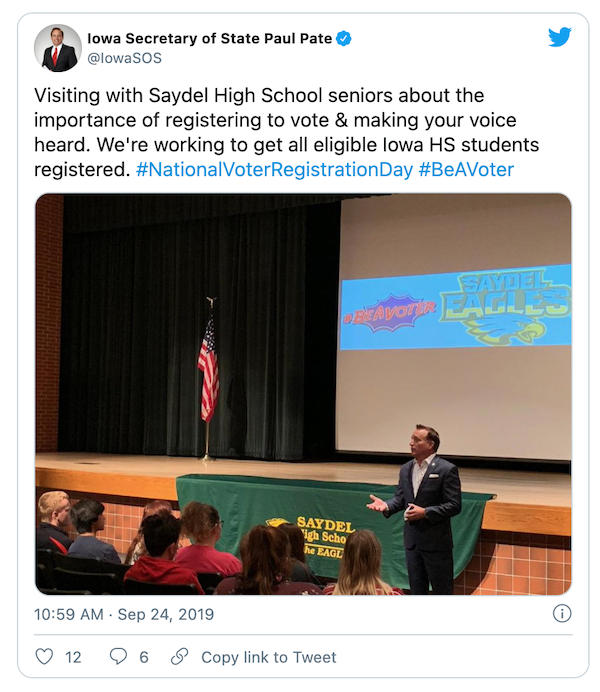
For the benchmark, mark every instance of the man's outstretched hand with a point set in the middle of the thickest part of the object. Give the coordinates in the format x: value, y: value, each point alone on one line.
x: 378, y: 505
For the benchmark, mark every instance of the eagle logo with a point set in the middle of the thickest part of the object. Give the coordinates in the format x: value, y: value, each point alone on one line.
x: 500, y: 330
x: 276, y: 522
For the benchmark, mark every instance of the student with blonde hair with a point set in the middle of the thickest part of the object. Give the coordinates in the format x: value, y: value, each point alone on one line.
x: 51, y: 534
x: 360, y: 569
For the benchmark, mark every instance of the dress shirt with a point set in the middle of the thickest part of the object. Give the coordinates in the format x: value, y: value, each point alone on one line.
x: 418, y: 473
x: 58, y: 49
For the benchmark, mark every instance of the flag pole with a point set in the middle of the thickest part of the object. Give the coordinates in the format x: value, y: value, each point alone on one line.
x: 207, y: 456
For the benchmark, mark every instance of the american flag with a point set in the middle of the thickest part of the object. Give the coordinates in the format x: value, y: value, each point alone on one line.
x: 207, y: 362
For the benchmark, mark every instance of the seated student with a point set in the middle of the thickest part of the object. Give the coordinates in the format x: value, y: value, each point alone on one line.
x: 87, y: 516
x: 360, y: 569
x: 54, y: 518
x: 202, y: 525
x: 137, y: 547
x: 161, y: 536
x: 300, y: 570
x: 265, y: 553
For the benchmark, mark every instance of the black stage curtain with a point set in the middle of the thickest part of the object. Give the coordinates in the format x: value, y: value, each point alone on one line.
x: 89, y: 213
x: 134, y: 314
x: 320, y: 350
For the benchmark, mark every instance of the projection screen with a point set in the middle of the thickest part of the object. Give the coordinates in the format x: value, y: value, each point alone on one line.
x: 455, y: 312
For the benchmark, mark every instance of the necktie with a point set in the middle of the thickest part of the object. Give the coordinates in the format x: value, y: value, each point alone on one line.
x: 55, y: 56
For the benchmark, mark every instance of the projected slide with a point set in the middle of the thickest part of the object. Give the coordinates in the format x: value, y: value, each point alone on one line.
x: 455, y: 311
x: 524, y: 306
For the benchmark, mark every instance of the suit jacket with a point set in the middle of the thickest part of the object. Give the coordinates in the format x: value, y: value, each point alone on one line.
x: 440, y: 495
x: 65, y: 61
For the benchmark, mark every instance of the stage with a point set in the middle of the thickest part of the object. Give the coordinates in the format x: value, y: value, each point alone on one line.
x: 525, y: 502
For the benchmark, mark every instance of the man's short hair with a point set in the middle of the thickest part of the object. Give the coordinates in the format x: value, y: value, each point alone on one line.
x: 51, y: 502
x: 57, y: 28
x: 160, y: 531
x: 432, y: 435
x: 84, y: 514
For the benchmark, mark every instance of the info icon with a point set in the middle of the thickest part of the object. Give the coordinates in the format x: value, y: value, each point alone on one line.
x: 562, y: 613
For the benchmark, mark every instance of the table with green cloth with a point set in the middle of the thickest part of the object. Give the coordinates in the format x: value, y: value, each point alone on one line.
x: 327, y: 512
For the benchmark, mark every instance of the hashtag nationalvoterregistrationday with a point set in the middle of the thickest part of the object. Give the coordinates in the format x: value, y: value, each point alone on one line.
x: 275, y: 169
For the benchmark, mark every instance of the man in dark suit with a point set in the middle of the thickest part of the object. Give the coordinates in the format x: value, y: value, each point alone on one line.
x: 429, y: 494
x: 59, y: 57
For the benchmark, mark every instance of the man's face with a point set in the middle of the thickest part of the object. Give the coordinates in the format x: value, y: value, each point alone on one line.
x: 61, y: 515
x: 420, y: 446
x: 57, y: 37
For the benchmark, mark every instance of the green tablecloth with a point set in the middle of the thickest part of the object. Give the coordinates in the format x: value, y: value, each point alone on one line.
x: 327, y: 512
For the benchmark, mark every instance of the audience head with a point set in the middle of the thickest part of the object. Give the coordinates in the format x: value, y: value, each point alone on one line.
x: 156, y: 506
x: 265, y: 553
x: 161, y: 534
x: 296, y: 539
x: 361, y: 565
x: 136, y: 549
x: 201, y: 523
x: 87, y: 516
x: 54, y: 508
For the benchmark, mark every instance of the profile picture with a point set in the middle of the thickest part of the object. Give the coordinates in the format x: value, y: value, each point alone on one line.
x: 57, y: 48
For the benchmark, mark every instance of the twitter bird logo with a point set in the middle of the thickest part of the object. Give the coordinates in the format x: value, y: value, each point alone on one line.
x: 560, y: 38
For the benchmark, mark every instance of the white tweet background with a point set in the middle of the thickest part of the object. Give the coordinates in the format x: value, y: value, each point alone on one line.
x: 515, y: 614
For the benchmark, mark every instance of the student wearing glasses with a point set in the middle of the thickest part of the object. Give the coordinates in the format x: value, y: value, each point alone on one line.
x: 203, y: 526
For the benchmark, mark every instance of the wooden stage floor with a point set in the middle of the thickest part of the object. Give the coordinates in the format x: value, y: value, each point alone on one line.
x: 525, y: 502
